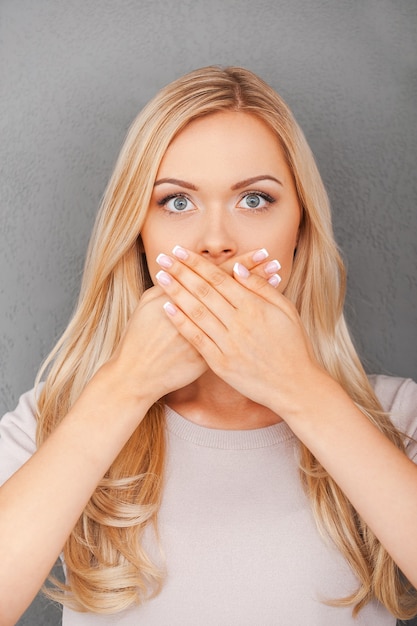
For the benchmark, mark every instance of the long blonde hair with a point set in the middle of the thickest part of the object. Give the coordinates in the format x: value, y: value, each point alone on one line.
x: 107, y: 567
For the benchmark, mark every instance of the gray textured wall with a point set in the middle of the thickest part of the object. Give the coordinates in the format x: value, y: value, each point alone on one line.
x: 73, y: 74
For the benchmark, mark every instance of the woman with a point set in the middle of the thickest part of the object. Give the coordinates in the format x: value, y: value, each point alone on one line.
x: 206, y: 370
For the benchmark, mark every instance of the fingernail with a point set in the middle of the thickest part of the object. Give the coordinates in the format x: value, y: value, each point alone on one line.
x: 260, y: 255
x: 164, y: 261
x: 274, y: 280
x: 170, y: 308
x: 272, y: 267
x: 241, y: 270
x: 163, y: 278
x: 180, y: 253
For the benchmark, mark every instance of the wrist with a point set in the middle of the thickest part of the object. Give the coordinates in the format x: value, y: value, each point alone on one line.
x: 322, y: 413
x: 128, y: 388
x: 310, y: 396
x: 113, y: 393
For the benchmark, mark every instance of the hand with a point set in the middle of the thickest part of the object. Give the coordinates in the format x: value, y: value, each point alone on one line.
x: 257, y: 261
x: 152, y: 350
x: 153, y: 358
x: 249, y: 334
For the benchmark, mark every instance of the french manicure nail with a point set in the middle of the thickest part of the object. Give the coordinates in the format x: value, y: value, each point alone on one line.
x: 274, y: 280
x: 241, y: 270
x: 180, y: 253
x: 164, y: 261
x: 260, y: 255
x: 272, y: 267
x: 170, y: 308
x: 163, y: 278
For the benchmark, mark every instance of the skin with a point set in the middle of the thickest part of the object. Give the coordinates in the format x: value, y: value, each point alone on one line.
x: 216, y: 155
x: 224, y: 338
x: 216, y: 167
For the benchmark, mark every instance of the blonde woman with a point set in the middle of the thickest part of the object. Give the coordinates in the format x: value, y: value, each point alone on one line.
x: 206, y: 447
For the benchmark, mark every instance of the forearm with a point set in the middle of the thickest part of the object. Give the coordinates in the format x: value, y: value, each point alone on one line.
x: 41, y: 503
x: 379, y: 480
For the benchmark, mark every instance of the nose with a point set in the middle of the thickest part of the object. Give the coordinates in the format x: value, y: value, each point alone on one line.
x: 217, y: 237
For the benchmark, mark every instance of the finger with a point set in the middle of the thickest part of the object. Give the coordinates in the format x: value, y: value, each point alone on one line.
x: 252, y: 259
x: 206, y: 281
x: 256, y: 260
x: 208, y: 310
x: 192, y: 333
x: 258, y: 285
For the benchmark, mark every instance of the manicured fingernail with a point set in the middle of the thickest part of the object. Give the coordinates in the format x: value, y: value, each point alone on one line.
x: 241, y: 270
x: 274, y: 280
x: 180, y: 253
x: 163, y: 278
x: 170, y: 308
x: 272, y: 267
x: 164, y: 261
x: 260, y: 255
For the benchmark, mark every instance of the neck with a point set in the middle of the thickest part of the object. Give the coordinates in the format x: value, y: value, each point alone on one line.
x: 210, y: 402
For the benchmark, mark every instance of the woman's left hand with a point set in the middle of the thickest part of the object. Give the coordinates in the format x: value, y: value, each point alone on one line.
x: 249, y: 334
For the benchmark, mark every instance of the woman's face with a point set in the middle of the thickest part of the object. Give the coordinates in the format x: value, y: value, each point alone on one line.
x: 224, y: 188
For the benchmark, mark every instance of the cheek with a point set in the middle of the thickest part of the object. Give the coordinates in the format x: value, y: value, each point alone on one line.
x: 286, y: 270
x: 157, y: 240
x: 153, y: 242
x: 283, y: 249
x: 162, y: 235
x: 151, y: 252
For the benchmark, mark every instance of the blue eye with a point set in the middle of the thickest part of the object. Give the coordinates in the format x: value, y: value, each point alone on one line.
x: 176, y: 203
x: 256, y: 201
x: 253, y: 200
x: 179, y: 203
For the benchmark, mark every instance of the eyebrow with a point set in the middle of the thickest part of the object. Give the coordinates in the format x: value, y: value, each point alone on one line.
x: 239, y: 185
x: 175, y: 181
x: 255, y: 179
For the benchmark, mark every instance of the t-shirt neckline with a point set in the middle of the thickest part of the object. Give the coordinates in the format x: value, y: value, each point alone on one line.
x: 226, y: 439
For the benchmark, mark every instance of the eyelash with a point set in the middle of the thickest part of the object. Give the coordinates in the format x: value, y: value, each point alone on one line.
x: 265, y: 196
x: 164, y: 201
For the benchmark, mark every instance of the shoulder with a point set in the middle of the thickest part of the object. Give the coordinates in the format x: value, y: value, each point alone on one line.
x: 395, y: 394
x: 18, y: 435
x: 398, y: 397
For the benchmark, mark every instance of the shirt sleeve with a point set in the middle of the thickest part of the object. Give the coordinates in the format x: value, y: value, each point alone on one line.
x: 398, y: 397
x: 17, y: 436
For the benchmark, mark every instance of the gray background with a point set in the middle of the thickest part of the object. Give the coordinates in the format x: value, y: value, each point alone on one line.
x: 74, y: 73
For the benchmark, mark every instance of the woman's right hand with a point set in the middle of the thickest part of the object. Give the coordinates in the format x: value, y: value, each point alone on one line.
x: 152, y: 358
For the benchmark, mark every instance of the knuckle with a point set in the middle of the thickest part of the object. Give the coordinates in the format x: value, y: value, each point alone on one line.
x: 197, y: 340
x: 217, y: 277
x: 198, y: 312
x: 202, y: 290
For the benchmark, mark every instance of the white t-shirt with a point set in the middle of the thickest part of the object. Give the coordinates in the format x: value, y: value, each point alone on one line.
x: 241, y: 544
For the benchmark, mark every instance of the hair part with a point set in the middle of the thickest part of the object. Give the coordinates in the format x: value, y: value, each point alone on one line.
x: 107, y: 566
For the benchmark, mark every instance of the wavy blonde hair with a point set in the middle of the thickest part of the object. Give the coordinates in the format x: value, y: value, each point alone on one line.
x: 106, y: 564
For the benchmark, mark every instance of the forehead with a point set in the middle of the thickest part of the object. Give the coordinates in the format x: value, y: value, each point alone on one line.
x: 226, y: 141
